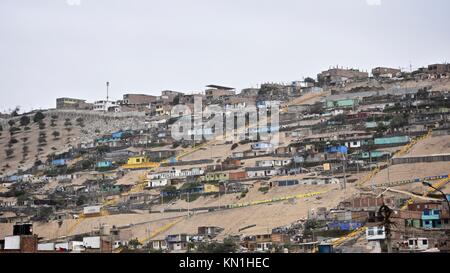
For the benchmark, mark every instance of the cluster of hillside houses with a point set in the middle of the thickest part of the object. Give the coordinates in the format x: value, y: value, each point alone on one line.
x: 345, y: 133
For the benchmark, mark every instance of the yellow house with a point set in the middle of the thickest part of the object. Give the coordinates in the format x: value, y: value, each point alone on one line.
x: 138, y: 162
x: 135, y: 160
x: 209, y: 188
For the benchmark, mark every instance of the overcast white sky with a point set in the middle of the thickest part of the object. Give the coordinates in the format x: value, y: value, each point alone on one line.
x: 56, y: 48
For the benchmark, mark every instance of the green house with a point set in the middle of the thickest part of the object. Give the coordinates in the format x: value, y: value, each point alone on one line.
x: 216, y: 176
x: 397, y: 140
x: 374, y: 154
x: 343, y: 103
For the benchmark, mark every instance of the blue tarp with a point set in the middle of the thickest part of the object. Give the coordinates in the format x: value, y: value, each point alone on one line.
x: 344, y: 225
x: 59, y: 162
x: 117, y: 135
x: 337, y: 149
x: 104, y: 164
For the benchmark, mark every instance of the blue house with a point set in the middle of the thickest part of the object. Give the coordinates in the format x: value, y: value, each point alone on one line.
x: 337, y: 149
x: 104, y: 164
x: 117, y: 135
x: 59, y: 162
x: 431, y: 218
x: 261, y: 145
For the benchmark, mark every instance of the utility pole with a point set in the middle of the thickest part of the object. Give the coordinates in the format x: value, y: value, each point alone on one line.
x: 388, y: 173
x: 386, y: 212
x: 345, y: 173
x: 188, y: 204
x: 107, y: 91
x: 107, y: 97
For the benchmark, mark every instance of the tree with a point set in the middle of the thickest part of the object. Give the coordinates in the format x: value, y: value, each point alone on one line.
x: 9, y: 152
x: 81, y: 200
x: 43, y: 213
x: 134, y: 243
x: 56, y: 134
x: 309, y: 80
x: 13, y: 141
x: 15, y: 112
x: 42, y: 138
x: 228, y: 246
x: 103, y: 149
x: 25, y: 120
x: 67, y: 122
x: 317, y: 108
x: 369, y: 147
x: 398, y: 121
x: 80, y: 122
x: 381, y: 128
x: 38, y: 117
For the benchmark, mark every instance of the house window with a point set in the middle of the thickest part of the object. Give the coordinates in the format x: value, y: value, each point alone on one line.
x: 371, y: 232
x: 380, y: 232
x: 424, y: 242
x: 427, y: 222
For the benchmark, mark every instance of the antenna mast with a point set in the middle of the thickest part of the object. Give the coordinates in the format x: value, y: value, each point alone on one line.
x: 107, y: 91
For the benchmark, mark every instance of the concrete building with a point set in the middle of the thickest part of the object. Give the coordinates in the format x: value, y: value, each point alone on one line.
x: 439, y: 69
x: 339, y: 75
x: 169, y: 96
x: 74, y: 104
x: 190, y: 99
x: 136, y: 100
x: 216, y: 93
x: 385, y: 72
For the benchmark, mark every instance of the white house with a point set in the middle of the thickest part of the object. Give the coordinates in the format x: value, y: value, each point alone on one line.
x: 418, y: 243
x: 263, y: 247
x: 158, y: 182
x: 159, y: 244
x: 353, y: 144
x: 282, y: 162
x: 375, y: 233
x: 265, y: 163
x: 103, y: 105
x: 260, y: 172
x: 175, y: 173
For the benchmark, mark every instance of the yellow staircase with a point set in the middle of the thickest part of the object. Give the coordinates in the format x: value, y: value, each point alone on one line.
x: 75, y: 224
x: 404, y: 150
x: 368, y: 177
x: 349, y: 236
x: 160, y: 230
x: 439, y: 184
x: 408, y: 146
